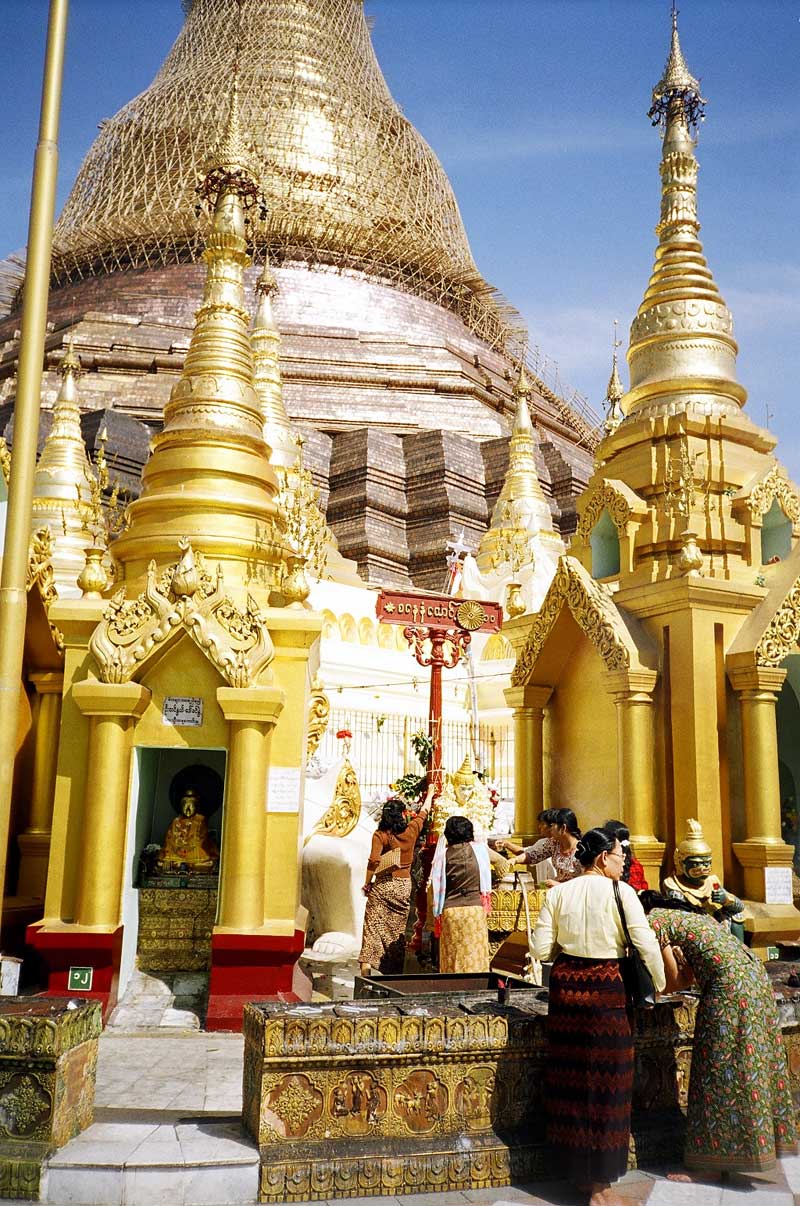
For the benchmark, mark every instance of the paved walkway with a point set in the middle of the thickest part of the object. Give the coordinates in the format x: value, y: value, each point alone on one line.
x: 167, y: 1131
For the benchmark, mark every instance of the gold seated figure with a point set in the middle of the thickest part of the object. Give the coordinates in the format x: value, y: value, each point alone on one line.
x: 187, y: 842
x: 463, y: 794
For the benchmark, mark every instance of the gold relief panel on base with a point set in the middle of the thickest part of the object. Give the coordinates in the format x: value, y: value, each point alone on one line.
x: 359, y: 1103
x: 473, y: 1099
x: 420, y: 1101
x: 26, y: 1105
x: 293, y: 1106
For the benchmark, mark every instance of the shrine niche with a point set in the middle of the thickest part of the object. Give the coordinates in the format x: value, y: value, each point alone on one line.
x: 179, y: 864
x: 769, y: 510
x: 610, y: 515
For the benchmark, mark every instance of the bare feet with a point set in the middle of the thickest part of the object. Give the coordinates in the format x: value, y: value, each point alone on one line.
x: 698, y: 1178
x: 604, y: 1195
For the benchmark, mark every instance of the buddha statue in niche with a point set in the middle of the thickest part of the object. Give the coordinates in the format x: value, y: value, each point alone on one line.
x: 187, y: 842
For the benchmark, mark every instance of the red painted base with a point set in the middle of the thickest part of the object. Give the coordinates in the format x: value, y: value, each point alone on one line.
x: 250, y: 967
x: 60, y: 949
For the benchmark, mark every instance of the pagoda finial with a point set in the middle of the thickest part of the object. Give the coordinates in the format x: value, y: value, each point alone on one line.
x: 677, y: 84
x: 614, y: 392
x: 63, y: 481
x: 522, y: 417
x: 682, y: 353
x: 265, y: 341
x: 70, y: 363
x: 232, y: 167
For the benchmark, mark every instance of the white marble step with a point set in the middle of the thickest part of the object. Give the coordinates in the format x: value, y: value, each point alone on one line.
x: 190, y: 1162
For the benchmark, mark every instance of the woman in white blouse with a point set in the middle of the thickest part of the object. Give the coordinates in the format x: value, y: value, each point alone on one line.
x: 590, y: 1044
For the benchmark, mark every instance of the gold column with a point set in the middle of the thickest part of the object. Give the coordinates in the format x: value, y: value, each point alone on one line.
x: 528, y: 703
x: 34, y: 843
x: 111, y: 709
x: 251, y: 713
x: 632, y: 691
x: 13, y: 595
x: 757, y: 689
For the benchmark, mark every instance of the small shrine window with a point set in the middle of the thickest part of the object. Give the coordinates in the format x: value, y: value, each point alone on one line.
x: 776, y: 534
x: 604, y: 542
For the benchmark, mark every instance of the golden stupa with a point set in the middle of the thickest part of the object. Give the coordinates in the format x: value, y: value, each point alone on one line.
x: 653, y: 683
x: 182, y: 676
x: 391, y: 339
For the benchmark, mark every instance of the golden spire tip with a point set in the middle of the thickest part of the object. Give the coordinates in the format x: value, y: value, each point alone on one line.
x: 70, y: 363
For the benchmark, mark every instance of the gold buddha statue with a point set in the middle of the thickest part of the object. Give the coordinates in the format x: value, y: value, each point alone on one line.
x: 187, y: 842
x: 463, y: 795
x: 695, y: 881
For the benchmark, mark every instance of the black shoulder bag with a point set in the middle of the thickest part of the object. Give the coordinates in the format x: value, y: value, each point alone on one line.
x: 635, y: 976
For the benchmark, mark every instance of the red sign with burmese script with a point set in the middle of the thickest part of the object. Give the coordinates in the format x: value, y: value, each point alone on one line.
x: 411, y: 608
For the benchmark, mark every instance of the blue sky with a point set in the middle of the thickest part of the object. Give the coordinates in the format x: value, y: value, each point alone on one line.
x: 537, y: 108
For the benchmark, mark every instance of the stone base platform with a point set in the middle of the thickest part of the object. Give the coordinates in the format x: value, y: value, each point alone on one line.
x: 385, y: 1098
x: 160, y: 1095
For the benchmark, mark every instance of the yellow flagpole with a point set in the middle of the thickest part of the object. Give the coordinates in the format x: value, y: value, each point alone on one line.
x: 13, y: 597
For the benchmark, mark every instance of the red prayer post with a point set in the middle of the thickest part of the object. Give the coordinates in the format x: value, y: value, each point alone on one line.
x: 439, y: 629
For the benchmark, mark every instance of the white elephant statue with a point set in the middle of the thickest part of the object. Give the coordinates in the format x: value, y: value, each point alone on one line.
x: 337, y: 842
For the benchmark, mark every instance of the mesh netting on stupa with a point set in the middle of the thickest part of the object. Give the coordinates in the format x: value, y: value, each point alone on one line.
x: 348, y: 180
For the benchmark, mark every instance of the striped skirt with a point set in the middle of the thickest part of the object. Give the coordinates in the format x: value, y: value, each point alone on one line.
x: 589, y: 1069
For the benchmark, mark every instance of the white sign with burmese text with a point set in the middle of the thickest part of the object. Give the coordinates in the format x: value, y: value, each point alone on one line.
x: 778, y: 885
x: 184, y: 711
x: 283, y: 790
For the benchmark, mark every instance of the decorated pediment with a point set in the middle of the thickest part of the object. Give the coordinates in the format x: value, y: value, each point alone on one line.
x: 772, y: 630
x: 758, y: 496
x: 184, y: 599
x: 613, y: 496
x: 592, y: 607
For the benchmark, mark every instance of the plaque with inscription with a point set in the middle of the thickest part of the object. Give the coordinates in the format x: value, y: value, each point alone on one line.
x: 183, y: 711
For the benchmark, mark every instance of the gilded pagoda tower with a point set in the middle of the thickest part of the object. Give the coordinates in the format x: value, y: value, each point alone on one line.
x: 658, y: 681
x: 175, y: 685
x: 396, y: 356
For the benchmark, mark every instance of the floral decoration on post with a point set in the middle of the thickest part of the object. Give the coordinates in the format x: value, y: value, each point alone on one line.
x: 346, y: 737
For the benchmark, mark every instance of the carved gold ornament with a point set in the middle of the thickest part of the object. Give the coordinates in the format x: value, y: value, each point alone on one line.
x: 471, y: 615
x: 592, y: 607
x: 319, y: 712
x: 5, y: 460
x: 24, y: 1105
x: 185, y: 597
x: 293, y: 1105
x: 603, y: 497
x: 342, y: 816
x: 774, y: 485
x: 783, y: 633
x: 40, y: 573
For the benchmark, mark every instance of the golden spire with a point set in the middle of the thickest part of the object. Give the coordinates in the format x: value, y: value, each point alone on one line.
x: 62, y: 484
x: 614, y: 392
x: 521, y: 510
x: 209, y: 478
x: 682, y: 353
x: 265, y: 341
x: 677, y: 77
x: 522, y: 479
